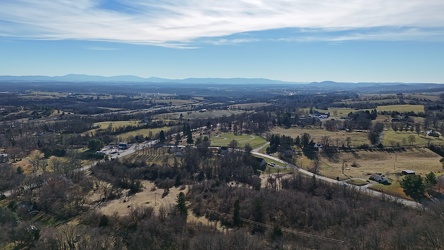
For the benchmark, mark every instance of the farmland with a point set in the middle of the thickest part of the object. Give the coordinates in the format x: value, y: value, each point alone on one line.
x: 140, y: 187
x: 337, y: 138
x: 362, y: 163
x: 225, y: 138
x: 390, y: 137
x: 198, y: 114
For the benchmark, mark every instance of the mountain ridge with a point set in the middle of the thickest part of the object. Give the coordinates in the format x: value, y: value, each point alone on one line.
x: 132, y: 78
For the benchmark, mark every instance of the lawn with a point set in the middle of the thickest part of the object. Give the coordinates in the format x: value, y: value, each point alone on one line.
x: 336, y: 138
x: 225, y: 138
x: 394, y: 189
x: 357, y: 182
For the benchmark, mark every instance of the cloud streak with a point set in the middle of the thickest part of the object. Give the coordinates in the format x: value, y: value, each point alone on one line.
x: 180, y: 23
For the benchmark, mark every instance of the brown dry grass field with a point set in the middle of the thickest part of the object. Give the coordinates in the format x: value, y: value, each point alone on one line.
x: 144, y: 132
x: 197, y: 114
x: 402, y: 138
x: 250, y: 105
x: 393, y: 189
x: 149, y: 197
x: 176, y: 101
x: 357, y: 138
x: 432, y: 97
x: 421, y: 160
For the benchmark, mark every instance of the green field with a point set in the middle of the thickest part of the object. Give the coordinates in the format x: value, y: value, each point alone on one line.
x: 144, y: 132
x: 225, y: 138
x: 114, y: 124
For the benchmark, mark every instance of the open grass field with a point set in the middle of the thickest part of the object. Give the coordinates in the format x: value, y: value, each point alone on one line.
x: 198, y: 115
x: 357, y: 138
x: 116, y: 124
x: 421, y: 160
x: 176, y: 101
x: 387, y: 100
x: 249, y: 105
x: 398, y: 137
x: 431, y: 97
x: 211, y: 114
x: 401, y: 108
x: 225, y: 138
x: 338, y: 112
x: 149, y: 197
x: 144, y: 132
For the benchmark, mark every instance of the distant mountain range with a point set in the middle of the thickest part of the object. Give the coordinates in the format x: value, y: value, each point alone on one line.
x: 361, y: 87
x: 130, y: 78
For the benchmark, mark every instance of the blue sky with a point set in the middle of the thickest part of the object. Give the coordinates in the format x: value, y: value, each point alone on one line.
x: 290, y: 40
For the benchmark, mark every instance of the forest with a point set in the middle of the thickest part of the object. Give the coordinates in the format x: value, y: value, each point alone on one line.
x: 304, y: 185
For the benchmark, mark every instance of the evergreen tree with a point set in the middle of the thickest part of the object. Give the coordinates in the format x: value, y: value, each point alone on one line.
x: 236, y: 214
x: 430, y: 180
x: 162, y: 136
x: 190, y: 137
x: 413, y: 185
x: 181, y: 205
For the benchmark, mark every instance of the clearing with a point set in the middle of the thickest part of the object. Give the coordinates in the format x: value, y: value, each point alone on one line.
x: 149, y: 197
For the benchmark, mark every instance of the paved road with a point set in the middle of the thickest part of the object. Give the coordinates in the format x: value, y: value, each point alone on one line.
x: 363, y: 189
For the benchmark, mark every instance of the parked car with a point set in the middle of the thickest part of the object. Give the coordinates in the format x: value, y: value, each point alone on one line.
x: 380, y: 178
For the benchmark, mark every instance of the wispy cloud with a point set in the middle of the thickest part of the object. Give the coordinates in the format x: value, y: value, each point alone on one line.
x: 179, y: 23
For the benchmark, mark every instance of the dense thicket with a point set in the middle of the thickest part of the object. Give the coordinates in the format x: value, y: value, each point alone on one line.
x: 322, y: 210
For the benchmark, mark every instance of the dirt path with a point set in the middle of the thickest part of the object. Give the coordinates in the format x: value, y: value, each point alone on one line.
x: 261, y: 147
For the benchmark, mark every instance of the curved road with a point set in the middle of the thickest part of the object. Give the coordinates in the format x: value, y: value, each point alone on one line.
x: 363, y: 189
